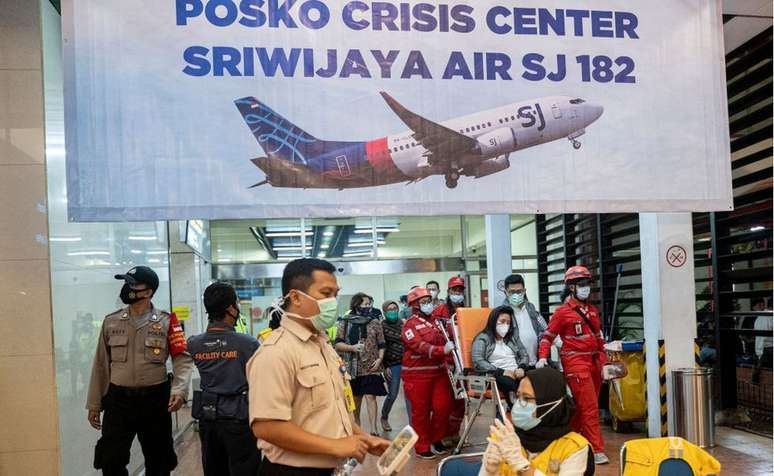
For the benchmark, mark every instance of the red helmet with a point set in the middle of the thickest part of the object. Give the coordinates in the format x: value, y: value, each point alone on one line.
x: 416, y: 294
x: 575, y: 273
x: 455, y: 281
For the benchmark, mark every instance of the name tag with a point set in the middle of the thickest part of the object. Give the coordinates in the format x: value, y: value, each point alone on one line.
x: 578, y: 328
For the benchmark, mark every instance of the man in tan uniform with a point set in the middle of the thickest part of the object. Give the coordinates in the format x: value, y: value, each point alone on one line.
x: 300, y: 400
x: 129, y: 380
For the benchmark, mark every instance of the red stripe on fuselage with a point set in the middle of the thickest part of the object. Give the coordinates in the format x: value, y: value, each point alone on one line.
x: 378, y: 155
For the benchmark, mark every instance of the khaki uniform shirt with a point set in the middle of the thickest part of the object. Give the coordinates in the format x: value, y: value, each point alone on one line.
x: 133, y: 352
x: 295, y: 376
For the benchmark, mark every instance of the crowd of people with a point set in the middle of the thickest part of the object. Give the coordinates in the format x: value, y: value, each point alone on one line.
x: 293, y: 403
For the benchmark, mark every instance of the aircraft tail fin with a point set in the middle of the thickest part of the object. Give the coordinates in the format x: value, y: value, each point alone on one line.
x: 277, y: 136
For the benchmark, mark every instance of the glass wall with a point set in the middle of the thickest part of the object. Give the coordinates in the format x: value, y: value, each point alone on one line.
x: 84, y: 259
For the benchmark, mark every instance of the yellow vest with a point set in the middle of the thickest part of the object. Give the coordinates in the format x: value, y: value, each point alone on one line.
x: 549, y: 461
x: 644, y: 456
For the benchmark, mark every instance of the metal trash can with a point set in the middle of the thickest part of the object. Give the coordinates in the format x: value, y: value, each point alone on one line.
x: 694, y: 409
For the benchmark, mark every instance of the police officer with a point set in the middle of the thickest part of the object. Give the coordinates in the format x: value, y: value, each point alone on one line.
x: 129, y: 379
x: 228, y: 446
x: 301, y: 402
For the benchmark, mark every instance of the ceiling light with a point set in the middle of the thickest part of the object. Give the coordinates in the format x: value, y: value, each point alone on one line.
x: 757, y: 228
x: 224, y: 260
x: 142, y: 238
x: 65, y: 238
x: 328, y: 233
x: 156, y: 252
x: 325, y: 246
x: 363, y: 231
x: 89, y: 253
x: 357, y: 253
x: 321, y: 255
x: 286, y: 248
x: 154, y: 260
x: 279, y: 234
x: 220, y: 250
x: 135, y: 252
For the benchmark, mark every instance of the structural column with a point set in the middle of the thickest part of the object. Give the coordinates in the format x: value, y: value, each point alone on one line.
x: 669, y: 304
x: 29, y: 434
x: 498, y: 253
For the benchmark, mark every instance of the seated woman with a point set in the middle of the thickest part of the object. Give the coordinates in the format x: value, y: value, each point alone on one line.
x: 498, y: 350
x: 542, y: 443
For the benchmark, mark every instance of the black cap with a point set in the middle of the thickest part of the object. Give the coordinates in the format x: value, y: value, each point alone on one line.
x: 141, y: 275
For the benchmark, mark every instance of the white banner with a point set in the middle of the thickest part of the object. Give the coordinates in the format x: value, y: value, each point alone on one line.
x: 289, y: 108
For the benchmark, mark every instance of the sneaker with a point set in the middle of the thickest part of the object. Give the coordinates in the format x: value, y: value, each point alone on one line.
x: 600, y: 458
x: 438, y: 448
x: 426, y: 455
x: 386, y: 425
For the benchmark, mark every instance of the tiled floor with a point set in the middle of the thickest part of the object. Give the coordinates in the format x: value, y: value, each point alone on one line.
x: 740, y: 453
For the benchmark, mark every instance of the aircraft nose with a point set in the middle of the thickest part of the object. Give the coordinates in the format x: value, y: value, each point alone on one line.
x: 593, y: 111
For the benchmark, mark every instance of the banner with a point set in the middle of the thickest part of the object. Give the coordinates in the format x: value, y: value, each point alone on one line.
x: 289, y: 108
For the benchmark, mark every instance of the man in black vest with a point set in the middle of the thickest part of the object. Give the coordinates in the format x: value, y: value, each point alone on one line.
x: 228, y: 446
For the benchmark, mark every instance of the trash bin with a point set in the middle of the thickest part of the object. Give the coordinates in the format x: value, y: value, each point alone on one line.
x: 694, y: 410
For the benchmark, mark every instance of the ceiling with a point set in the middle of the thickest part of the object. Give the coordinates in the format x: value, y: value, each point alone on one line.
x: 348, y: 238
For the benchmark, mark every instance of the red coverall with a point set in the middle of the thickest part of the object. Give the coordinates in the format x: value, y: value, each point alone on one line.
x: 425, y: 381
x: 457, y: 413
x: 582, y: 356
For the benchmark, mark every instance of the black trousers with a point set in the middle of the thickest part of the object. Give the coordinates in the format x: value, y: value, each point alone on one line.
x: 228, y: 448
x: 507, y: 385
x: 270, y: 469
x: 143, y: 414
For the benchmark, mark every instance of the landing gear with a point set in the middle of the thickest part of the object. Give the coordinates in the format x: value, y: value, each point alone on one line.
x: 576, y: 144
x: 451, y: 179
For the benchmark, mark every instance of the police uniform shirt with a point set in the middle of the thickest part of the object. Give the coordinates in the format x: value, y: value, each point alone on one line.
x: 133, y: 351
x: 221, y: 355
x: 295, y: 376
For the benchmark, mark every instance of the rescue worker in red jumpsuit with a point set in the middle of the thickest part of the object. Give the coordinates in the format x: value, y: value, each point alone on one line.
x: 455, y: 298
x: 578, y: 324
x: 425, y: 380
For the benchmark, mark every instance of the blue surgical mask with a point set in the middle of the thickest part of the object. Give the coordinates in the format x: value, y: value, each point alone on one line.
x: 517, y: 298
x: 523, y: 413
x: 457, y: 298
x: 426, y: 309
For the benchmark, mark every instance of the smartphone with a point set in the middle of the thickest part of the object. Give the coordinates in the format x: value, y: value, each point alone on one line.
x: 397, y: 454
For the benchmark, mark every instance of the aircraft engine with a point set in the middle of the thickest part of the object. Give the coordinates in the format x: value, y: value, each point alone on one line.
x: 491, y: 166
x: 498, y: 142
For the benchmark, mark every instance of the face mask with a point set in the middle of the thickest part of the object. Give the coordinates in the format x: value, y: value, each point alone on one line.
x: 502, y: 329
x: 391, y: 315
x: 583, y: 292
x: 426, y: 308
x: 364, y: 310
x: 129, y: 296
x: 456, y: 298
x: 517, y: 299
x: 434, y: 295
x: 523, y: 413
x: 327, y: 315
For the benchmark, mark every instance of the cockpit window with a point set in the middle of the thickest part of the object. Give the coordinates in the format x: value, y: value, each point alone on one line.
x: 577, y: 101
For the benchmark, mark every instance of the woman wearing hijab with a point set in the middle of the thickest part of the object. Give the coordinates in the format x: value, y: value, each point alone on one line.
x: 359, y: 336
x: 542, y: 443
x: 498, y: 351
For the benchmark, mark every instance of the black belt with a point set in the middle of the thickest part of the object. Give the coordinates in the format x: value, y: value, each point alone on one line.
x: 139, y: 391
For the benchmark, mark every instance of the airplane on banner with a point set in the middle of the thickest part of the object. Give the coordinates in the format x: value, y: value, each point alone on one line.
x: 475, y: 146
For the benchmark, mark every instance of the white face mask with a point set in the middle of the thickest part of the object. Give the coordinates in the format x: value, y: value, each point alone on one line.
x: 583, y: 292
x: 502, y: 329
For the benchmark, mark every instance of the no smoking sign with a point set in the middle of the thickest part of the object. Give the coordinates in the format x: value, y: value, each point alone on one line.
x: 676, y: 256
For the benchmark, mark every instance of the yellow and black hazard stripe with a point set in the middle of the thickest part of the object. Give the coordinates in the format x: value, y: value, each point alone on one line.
x: 662, y: 387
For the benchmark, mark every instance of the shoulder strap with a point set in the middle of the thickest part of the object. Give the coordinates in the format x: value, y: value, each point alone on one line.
x: 585, y: 318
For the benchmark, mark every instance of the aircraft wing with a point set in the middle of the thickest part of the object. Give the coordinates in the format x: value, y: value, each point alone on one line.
x: 443, y: 143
